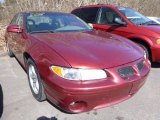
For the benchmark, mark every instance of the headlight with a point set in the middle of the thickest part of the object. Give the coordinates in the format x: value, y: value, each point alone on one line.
x: 158, y: 41
x: 78, y: 74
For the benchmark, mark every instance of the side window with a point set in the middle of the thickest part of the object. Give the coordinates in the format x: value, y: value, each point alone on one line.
x: 88, y: 14
x: 107, y: 16
x: 13, y: 22
x: 76, y: 12
x: 20, y: 20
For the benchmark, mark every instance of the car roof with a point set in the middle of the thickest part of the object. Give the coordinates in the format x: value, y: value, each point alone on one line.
x: 102, y: 5
x: 47, y: 12
x: 99, y: 5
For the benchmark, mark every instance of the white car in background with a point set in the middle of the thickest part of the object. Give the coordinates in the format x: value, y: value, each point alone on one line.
x: 155, y: 19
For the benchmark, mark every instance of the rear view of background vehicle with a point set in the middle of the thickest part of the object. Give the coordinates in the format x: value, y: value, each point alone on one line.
x: 125, y: 22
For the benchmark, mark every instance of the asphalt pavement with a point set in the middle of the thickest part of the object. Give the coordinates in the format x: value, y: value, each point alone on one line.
x: 17, y: 103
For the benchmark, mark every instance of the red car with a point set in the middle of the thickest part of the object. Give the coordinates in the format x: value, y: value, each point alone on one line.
x: 125, y: 22
x: 75, y: 67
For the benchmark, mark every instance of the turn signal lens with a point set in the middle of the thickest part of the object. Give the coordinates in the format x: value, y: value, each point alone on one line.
x: 158, y: 41
x: 57, y: 70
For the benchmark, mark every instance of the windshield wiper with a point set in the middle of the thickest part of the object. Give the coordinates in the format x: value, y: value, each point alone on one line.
x: 82, y: 30
x: 43, y: 31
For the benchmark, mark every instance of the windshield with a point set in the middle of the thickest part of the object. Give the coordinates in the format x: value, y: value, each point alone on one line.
x: 134, y: 16
x: 158, y: 19
x: 54, y: 22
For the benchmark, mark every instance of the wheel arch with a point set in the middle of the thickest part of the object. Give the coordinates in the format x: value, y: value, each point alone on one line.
x: 41, y: 96
x: 143, y: 42
x: 27, y: 56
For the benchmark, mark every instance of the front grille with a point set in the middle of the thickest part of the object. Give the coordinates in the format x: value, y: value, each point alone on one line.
x: 140, y: 65
x: 126, y: 72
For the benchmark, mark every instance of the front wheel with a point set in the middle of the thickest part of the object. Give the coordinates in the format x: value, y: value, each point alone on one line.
x: 35, y: 81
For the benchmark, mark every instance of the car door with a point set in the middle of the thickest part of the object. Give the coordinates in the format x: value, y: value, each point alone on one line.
x: 20, y: 40
x: 106, y: 22
x: 10, y: 36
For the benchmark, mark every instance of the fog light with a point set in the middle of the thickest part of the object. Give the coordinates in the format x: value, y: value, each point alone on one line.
x: 78, y: 106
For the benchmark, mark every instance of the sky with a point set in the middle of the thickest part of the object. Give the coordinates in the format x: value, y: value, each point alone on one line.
x: 1, y: 1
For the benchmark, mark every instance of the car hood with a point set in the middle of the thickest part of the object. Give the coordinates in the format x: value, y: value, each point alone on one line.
x: 93, y: 49
x: 153, y: 28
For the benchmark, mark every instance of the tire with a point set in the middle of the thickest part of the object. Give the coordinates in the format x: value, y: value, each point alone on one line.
x: 146, y: 50
x: 35, y: 81
x: 9, y: 52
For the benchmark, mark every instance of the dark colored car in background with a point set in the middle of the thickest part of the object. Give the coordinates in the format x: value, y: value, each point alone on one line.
x: 75, y: 67
x: 125, y: 22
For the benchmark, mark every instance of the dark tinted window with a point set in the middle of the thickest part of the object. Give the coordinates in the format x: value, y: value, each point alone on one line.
x: 76, y: 12
x: 108, y: 16
x: 87, y: 14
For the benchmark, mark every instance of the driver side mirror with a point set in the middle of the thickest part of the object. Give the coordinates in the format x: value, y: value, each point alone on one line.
x: 119, y: 21
x: 14, y: 29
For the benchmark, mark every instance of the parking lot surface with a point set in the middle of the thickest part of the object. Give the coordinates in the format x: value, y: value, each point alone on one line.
x: 17, y: 103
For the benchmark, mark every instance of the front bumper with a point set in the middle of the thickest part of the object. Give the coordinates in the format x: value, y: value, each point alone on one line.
x: 155, y: 53
x: 78, y: 97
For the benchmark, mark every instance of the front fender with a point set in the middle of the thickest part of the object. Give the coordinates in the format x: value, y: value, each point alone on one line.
x: 141, y: 38
x: 44, y: 57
